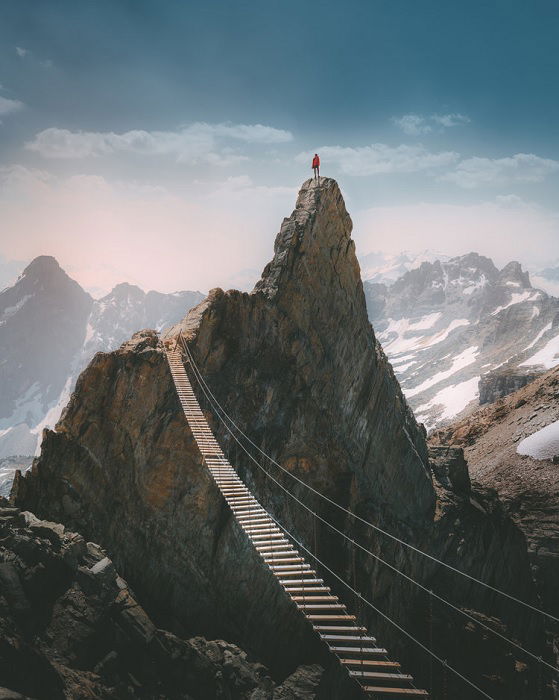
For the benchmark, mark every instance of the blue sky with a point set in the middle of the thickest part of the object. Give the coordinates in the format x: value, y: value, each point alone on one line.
x: 162, y: 142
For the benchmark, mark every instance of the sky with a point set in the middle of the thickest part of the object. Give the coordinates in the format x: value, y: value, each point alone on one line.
x: 162, y: 142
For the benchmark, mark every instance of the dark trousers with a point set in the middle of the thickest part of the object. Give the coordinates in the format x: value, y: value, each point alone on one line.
x: 316, y: 172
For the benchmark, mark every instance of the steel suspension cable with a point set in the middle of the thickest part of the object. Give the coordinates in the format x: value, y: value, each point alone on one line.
x: 217, y: 407
x: 498, y: 591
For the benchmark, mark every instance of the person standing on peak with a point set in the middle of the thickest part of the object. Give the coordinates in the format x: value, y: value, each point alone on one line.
x: 316, y: 166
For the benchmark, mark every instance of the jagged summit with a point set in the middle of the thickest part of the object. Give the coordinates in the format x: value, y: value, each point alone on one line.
x: 514, y: 275
x: 316, y: 235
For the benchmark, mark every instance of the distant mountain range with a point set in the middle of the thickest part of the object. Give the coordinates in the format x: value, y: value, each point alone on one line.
x: 379, y: 267
x: 49, y: 330
x: 446, y: 324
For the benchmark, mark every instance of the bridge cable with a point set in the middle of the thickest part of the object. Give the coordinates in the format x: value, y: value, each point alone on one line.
x: 442, y: 661
x: 215, y: 404
x: 366, y: 522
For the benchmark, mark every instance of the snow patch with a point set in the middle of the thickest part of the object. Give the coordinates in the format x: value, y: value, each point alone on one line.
x: 460, y: 361
x: 544, y: 444
x: 528, y: 295
x: 453, y: 399
x: 548, y: 356
x: 400, y: 344
x: 11, y: 310
x: 540, y: 334
x: 426, y: 322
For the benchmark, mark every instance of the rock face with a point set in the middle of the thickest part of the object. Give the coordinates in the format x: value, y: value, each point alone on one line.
x: 448, y: 323
x: 8, y: 468
x: 297, y: 365
x: 450, y: 468
x: 70, y: 627
x: 498, y: 384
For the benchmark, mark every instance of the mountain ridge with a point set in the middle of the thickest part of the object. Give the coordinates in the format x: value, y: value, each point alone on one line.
x: 446, y: 325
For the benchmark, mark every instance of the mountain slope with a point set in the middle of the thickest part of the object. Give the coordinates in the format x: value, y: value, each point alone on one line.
x: 298, y: 366
x: 49, y: 331
x: 42, y: 328
x: 494, y: 439
x: 446, y: 324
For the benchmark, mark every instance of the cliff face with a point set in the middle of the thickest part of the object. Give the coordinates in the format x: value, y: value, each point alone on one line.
x: 297, y: 365
x: 496, y: 385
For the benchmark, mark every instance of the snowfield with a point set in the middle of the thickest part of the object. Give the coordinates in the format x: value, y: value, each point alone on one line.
x: 547, y: 357
x: 460, y: 361
x: 541, y: 445
x: 452, y: 400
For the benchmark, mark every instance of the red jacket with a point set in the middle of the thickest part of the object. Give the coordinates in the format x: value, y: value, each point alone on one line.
x: 316, y: 162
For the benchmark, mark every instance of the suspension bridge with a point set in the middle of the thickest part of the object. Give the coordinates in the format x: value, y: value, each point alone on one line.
x: 351, y: 644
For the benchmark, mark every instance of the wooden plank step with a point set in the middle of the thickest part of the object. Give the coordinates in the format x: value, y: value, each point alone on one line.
x: 332, y: 618
x: 289, y: 567
x: 309, y: 580
x: 366, y: 651
x: 317, y: 598
x: 268, y: 538
x: 394, y: 692
x: 370, y: 663
x: 339, y: 628
x: 343, y: 638
x: 252, y: 520
x: 293, y: 560
x: 262, y: 547
x: 322, y: 606
x: 381, y: 676
x: 298, y: 572
x: 298, y: 589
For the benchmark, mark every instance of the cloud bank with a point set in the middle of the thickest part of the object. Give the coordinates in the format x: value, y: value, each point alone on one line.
x: 198, y: 142
x: 379, y: 158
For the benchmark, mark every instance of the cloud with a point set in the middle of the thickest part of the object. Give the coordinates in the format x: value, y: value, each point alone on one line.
x: 380, y: 158
x: 501, y: 228
x: 412, y: 124
x: 522, y: 167
x: 21, y: 52
x: 450, y: 120
x: 198, y: 142
x: 8, y: 106
x: 417, y: 124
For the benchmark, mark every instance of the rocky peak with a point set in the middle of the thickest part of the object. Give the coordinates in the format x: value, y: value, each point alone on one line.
x: 42, y: 266
x: 512, y: 275
x: 44, y: 275
x: 125, y: 291
x: 314, y: 243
